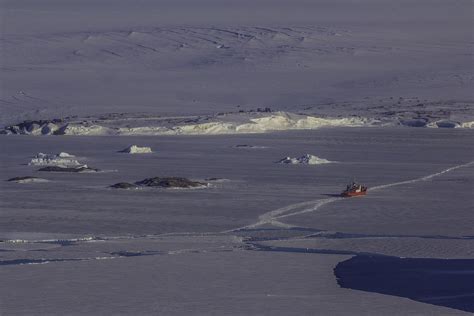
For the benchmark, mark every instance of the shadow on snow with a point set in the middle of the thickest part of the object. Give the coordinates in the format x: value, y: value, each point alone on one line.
x: 442, y: 282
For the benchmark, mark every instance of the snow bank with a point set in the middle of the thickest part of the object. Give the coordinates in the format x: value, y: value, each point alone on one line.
x: 228, y: 123
x: 134, y: 149
x: 82, y: 129
x: 305, y: 160
x: 287, y: 121
x: 212, y: 128
x: 62, y: 160
x: 278, y: 121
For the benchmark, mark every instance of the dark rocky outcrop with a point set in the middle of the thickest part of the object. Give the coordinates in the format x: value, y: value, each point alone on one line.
x: 68, y: 169
x: 27, y: 179
x: 123, y: 185
x: 170, y: 182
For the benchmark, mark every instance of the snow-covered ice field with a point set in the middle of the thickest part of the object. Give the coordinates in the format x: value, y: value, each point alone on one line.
x: 265, y: 240
x: 209, y: 95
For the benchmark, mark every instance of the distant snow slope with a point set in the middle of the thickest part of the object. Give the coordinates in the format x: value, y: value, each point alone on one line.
x: 168, y: 58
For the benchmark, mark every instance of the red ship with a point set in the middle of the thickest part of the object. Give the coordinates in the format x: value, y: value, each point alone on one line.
x: 354, y: 189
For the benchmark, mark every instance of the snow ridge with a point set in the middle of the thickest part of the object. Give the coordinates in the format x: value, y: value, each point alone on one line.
x: 224, y: 123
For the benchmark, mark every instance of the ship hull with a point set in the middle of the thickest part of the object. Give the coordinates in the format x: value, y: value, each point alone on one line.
x: 352, y: 194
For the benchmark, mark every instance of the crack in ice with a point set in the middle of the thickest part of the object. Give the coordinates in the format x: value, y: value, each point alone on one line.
x: 273, y: 217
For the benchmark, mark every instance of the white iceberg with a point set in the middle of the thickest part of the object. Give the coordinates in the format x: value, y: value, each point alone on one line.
x: 467, y: 124
x: 134, y: 149
x: 305, y: 160
x: 62, y: 159
x: 65, y: 155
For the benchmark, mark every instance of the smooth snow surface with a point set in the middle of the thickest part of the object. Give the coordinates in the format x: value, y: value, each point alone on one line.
x: 134, y: 149
x: 306, y: 159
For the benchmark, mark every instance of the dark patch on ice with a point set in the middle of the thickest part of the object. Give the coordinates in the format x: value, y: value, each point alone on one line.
x: 414, y: 122
x: 339, y: 235
x: 170, y: 182
x: 126, y: 254
x: 15, y: 179
x: 62, y: 242
x: 443, y: 282
x: 135, y: 253
x: 447, y: 124
x: 68, y: 169
x: 245, y: 146
x: 34, y: 261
